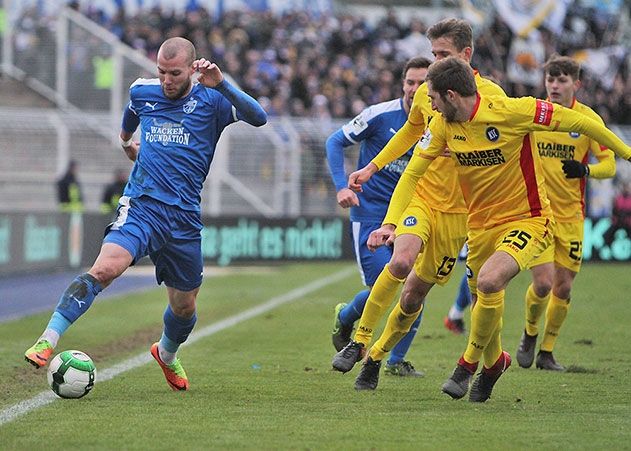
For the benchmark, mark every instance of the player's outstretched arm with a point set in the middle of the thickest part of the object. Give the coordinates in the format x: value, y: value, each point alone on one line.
x: 248, y: 109
x: 568, y: 120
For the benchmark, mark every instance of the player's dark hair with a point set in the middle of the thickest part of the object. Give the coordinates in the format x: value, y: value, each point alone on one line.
x: 453, y: 74
x: 457, y: 30
x: 418, y: 62
x: 562, y: 65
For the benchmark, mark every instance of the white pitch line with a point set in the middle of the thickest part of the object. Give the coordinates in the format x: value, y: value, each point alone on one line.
x: 46, y: 397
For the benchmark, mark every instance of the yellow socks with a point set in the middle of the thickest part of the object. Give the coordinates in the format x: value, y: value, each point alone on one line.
x: 399, y: 324
x: 381, y: 296
x: 555, y: 316
x: 534, y: 309
x: 493, y: 350
x: 485, y: 320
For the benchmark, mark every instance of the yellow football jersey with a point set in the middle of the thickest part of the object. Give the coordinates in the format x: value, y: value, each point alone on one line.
x: 567, y: 196
x: 495, y: 155
x: 439, y: 187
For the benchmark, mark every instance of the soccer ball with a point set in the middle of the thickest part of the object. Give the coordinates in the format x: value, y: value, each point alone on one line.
x: 71, y: 374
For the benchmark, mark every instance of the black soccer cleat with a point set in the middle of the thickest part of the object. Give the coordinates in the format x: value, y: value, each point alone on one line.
x: 483, y: 384
x: 350, y: 354
x: 368, y: 376
x: 526, y: 350
x: 341, y: 334
x: 545, y: 361
x: 458, y: 383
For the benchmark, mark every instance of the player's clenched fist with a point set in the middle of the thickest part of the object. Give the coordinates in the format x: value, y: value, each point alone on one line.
x: 384, y: 235
x: 209, y: 73
x: 346, y: 198
x: 361, y: 176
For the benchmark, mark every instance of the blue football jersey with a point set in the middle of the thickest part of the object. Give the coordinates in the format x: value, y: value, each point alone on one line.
x: 177, y: 141
x: 373, y: 128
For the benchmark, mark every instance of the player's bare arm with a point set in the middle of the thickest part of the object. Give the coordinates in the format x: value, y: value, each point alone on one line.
x: 361, y: 176
x: 130, y: 147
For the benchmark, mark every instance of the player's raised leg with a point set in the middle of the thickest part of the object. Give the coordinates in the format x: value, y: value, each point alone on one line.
x: 77, y: 298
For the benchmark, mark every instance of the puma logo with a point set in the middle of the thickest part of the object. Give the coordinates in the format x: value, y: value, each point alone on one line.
x: 77, y: 301
x: 152, y: 105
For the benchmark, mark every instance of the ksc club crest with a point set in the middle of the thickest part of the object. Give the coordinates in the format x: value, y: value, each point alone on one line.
x: 189, y: 106
x: 493, y: 134
x: 409, y: 221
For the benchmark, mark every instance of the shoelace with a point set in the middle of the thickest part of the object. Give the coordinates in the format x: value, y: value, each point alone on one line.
x: 349, y: 349
x: 407, y: 366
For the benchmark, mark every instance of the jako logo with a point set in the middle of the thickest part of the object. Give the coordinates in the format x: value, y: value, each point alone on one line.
x: 409, y: 221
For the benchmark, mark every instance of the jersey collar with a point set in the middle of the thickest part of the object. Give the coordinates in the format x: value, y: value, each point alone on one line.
x: 476, y: 106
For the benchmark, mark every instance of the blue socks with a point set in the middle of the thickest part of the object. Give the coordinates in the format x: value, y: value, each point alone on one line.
x: 74, y: 302
x: 464, y: 295
x: 176, y: 330
x: 402, y: 347
x: 353, y: 311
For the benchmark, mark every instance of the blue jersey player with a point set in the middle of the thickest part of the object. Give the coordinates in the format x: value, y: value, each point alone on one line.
x: 159, y: 212
x: 373, y: 128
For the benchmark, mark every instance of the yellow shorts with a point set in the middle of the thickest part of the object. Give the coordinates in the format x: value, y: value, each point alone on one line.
x: 523, y: 240
x: 443, y: 235
x: 567, y: 247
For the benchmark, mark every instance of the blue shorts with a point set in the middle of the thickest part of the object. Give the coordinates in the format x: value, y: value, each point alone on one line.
x: 169, y: 235
x: 370, y: 263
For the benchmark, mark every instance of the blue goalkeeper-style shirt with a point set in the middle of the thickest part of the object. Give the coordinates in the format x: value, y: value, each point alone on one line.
x: 177, y: 141
x: 372, y: 128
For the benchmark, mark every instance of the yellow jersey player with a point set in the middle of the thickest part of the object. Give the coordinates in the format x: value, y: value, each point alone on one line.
x: 509, y: 215
x: 421, y: 257
x: 564, y: 160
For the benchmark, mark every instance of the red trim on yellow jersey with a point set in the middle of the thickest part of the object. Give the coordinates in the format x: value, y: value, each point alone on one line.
x: 476, y: 106
x: 530, y: 178
x: 543, y: 112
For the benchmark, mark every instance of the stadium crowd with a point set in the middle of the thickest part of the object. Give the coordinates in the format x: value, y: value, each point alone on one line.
x: 335, y: 65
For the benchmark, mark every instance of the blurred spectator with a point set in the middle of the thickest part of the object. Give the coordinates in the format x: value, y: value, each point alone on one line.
x: 114, y: 191
x: 69, y: 193
x: 296, y: 58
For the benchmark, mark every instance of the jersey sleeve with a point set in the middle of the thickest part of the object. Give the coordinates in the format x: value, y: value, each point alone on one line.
x: 430, y: 146
x: 548, y: 116
x: 227, y: 113
x: 606, y: 166
x: 361, y: 127
x: 405, y: 138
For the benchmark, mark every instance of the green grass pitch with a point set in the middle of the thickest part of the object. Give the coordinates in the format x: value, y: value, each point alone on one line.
x: 266, y: 382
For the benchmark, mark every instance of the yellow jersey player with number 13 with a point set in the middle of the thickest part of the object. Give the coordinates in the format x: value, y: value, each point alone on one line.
x: 509, y: 215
